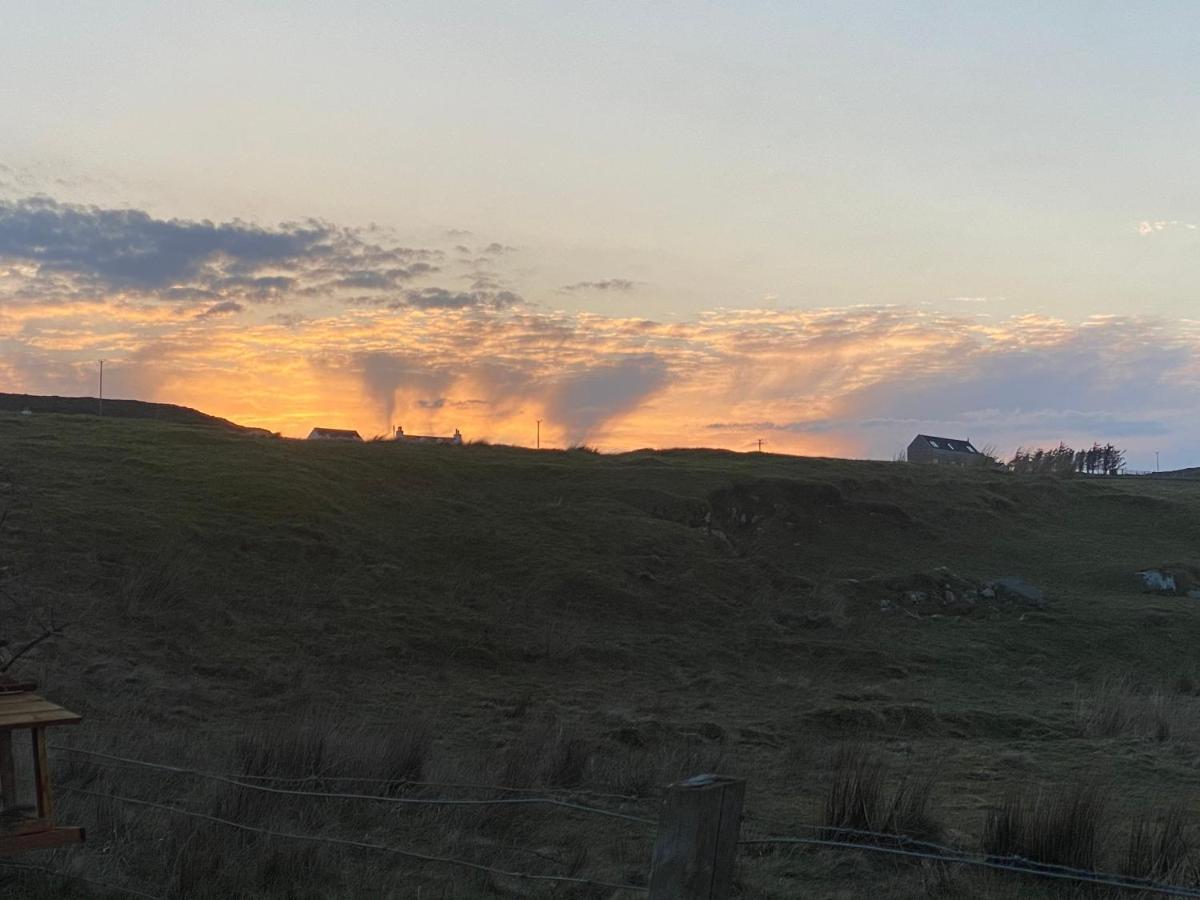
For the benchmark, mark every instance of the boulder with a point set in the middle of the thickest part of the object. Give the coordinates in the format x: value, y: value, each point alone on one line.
x: 1179, y: 579
x: 1158, y: 581
x: 1015, y: 589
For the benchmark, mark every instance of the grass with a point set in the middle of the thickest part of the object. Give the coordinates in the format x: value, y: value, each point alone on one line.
x: 1063, y: 826
x: 859, y: 800
x: 571, y: 620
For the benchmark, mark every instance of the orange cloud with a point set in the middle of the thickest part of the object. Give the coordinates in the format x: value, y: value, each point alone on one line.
x: 835, y: 381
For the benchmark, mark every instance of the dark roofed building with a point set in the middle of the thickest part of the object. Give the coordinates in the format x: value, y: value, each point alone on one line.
x: 334, y: 434
x: 925, y: 448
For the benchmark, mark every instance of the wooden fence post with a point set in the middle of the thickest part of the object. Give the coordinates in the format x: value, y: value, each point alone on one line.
x: 697, y: 839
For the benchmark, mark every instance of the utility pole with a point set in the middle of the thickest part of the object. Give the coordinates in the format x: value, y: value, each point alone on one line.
x: 760, y: 445
x: 101, y: 399
x: 1156, y: 468
x: 539, y: 434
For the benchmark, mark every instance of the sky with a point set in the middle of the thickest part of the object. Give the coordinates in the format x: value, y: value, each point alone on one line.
x: 826, y: 226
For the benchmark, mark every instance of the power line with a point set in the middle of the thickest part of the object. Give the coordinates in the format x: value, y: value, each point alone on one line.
x: 1008, y: 864
x: 343, y: 842
x: 92, y: 881
x: 406, y: 801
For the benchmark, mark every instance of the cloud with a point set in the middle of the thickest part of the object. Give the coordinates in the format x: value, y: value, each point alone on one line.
x: 1146, y: 227
x: 584, y: 400
x: 607, y: 284
x: 62, y: 251
x: 385, y: 374
x: 441, y: 298
x: 377, y: 334
x: 226, y: 307
x: 497, y: 249
x: 126, y: 247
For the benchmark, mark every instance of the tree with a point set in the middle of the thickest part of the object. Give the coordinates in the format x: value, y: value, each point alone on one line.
x: 24, y: 624
x: 1064, y: 461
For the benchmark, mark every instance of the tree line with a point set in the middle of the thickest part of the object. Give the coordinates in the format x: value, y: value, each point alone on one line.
x: 1062, y: 460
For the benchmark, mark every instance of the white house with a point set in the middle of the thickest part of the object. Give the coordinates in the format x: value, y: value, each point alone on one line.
x: 334, y: 434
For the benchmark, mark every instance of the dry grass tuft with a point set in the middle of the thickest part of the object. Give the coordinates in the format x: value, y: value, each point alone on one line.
x: 1118, y: 707
x: 1161, y: 848
x: 858, y: 799
x: 1064, y: 827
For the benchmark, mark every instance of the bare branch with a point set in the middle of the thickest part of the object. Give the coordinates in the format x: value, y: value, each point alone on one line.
x: 52, y: 631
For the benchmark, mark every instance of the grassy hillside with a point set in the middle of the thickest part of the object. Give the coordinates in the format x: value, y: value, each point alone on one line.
x: 577, y: 622
x: 118, y: 409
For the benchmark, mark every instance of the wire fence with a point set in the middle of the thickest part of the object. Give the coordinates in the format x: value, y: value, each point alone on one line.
x: 817, y: 837
x: 362, y: 845
x: 375, y: 798
x: 915, y: 848
x: 390, y: 783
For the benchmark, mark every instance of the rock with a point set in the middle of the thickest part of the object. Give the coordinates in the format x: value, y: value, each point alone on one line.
x: 1015, y: 589
x: 1160, y: 582
x: 887, y: 604
x: 949, y: 598
x: 1193, y: 594
x: 915, y: 597
x: 987, y: 594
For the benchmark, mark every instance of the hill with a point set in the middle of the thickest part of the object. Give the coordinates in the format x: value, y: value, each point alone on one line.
x: 584, y: 624
x: 1192, y: 472
x: 119, y: 409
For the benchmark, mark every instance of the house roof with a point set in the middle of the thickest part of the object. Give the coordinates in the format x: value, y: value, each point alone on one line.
x: 954, y: 445
x: 337, y: 432
x: 21, y: 708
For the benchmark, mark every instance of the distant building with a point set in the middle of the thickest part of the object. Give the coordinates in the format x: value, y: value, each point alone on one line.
x: 926, y: 448
x: 427, y: 438
x: 334, y: 434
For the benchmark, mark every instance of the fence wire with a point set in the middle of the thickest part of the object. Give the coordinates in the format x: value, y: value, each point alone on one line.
x: 947, y: 854
x: 400, y: 782
x: 331, y: 795
x: 362, y: 845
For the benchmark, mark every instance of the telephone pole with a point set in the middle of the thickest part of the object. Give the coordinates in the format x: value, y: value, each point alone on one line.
x: 760, y: 445
x: 1156, y: 468
x: 100, y: 405
x: 539, y: 434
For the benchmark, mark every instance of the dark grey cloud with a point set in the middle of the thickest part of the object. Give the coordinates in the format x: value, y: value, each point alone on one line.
x: 615, y: 285
x: 497, y: 249
x: 130, y: 248
x: 224, y: 308
x: 443, y: 298
x: 385, y: 279
x: 385, y: 373
x: 584, y: 400
x: 91, y: 251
